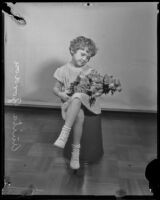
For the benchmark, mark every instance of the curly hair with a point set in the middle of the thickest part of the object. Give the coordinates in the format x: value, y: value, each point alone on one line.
x: 80, y: 43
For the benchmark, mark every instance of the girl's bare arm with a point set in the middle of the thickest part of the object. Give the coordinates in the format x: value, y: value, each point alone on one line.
x: 57, y: 89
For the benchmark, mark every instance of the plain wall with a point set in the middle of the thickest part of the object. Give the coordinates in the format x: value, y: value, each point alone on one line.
x: 125, y: 34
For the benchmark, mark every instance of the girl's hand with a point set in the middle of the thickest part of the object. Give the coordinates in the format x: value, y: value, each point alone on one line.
x: 63, y: 96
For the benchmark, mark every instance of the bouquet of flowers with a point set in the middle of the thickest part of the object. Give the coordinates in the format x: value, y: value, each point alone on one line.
x: 94, y: 83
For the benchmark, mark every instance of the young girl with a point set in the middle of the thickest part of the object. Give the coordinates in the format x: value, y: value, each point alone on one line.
x: 74, y: 108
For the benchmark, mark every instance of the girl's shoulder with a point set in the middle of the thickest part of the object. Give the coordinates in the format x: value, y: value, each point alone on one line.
x: 68, y: 67
x: 63, y: 67
x: 60, y: 72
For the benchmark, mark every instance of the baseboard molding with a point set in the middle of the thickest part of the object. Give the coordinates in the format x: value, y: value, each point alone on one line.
x: 36, y: 104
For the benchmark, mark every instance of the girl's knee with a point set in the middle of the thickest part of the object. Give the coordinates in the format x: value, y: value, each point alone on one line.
x: 76, y: 100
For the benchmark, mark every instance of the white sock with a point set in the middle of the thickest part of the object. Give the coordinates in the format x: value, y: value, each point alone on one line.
x: 66, y: 128
x: 74, y: 163
x: 63, y: 137
x: 76, y: 146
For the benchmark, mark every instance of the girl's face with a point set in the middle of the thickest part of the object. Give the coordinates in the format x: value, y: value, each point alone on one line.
x: 81, y: 57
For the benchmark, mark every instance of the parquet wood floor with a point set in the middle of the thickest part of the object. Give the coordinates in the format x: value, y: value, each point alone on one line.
x: 31, y: 161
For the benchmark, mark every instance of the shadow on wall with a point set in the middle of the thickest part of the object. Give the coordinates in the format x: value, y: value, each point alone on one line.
x: 44, y: 83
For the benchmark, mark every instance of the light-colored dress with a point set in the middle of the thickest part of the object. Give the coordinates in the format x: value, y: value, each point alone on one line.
x: 67, y: 74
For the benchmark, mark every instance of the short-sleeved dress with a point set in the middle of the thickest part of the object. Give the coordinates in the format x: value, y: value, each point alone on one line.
x: 67, y: 74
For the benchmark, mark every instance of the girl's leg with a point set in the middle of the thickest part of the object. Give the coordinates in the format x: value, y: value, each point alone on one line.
x: 71, y: 115
x: 77, y: 133
x: 78, y: 127
x: 72, y: 112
